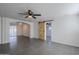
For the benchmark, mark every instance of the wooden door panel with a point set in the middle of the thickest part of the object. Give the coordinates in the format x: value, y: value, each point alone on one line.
x: 41, y: 30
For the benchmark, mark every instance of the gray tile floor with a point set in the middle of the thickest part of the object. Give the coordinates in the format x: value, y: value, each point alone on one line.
x: 26, y: 46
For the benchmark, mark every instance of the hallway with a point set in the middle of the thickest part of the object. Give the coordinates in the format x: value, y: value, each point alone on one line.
x: 27, y: 46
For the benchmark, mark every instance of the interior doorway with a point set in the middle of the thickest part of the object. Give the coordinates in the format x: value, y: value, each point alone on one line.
x: 18, y: 32
x: 18, y: 29
x: 45, y: 31
x: 48, y: 31
x: 12, y: 32
x: 12, y: 35
x: 23, y: 29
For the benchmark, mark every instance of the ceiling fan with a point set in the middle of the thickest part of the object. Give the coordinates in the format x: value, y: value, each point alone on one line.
x: 29, y: 14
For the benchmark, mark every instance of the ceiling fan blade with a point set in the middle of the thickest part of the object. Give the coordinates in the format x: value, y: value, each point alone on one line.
x: 34, y: 17
x: 36, y: 14
x: 26, y: 16
x: 22, y: 13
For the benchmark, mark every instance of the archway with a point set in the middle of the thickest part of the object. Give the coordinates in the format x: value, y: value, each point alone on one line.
x: 18, y: 31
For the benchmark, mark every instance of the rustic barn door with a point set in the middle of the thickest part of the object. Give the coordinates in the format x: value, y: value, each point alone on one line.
x: 41, y: 30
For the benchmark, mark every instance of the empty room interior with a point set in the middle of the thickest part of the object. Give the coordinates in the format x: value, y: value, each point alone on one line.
x: 39, y: 29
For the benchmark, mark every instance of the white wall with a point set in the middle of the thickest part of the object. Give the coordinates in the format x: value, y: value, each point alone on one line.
x: 35, y: 30
x: 66, y: 30
x: 0, y: 30
x: 6, y: 23
x: 4, y: 30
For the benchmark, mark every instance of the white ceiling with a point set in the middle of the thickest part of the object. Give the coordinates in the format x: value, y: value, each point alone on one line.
x: 49, y: 11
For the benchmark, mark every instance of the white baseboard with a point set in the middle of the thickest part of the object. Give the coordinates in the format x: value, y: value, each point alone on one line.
x: 65, y: 44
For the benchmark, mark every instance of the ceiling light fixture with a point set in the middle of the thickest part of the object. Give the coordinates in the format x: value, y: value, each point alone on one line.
x: 30, y: 16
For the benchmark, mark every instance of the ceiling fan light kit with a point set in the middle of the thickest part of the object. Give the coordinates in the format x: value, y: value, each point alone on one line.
x: 30, y: 16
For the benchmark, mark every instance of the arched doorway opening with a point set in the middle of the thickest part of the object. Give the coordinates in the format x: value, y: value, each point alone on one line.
x: 18, y: 31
